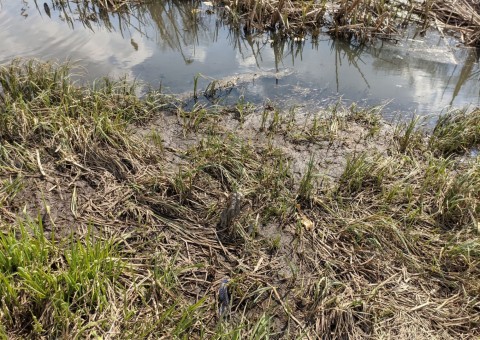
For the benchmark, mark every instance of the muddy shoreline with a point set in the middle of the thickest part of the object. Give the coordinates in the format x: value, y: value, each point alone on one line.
x: 113, y: 214
x: 129, y: 217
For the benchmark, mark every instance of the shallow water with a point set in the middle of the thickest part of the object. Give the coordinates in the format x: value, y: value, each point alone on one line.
x: 167, y: 43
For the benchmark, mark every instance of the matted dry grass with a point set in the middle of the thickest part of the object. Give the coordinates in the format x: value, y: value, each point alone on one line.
x: 461, y: 16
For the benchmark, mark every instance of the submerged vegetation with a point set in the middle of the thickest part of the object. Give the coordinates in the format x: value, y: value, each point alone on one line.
x: 122, y: 217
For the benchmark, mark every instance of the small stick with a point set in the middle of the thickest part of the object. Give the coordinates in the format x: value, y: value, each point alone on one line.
x: 420, y: 306
x: 40, y: 167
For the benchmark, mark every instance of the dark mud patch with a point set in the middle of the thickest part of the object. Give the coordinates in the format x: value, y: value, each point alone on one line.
x: 330, y: 144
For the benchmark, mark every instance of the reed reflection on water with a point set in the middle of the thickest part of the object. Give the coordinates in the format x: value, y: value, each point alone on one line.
x: 170, y: 42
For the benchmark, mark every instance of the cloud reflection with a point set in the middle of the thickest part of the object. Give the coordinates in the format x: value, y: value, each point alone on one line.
x: 169, y: 42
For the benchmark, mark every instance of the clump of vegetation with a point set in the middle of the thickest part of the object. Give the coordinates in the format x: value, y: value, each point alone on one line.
x: 48, y: 283
x: 361, y: 20
x: 289, y: 15
x: 462, y: 16
x: 112, y: 223
x: 456, y: 132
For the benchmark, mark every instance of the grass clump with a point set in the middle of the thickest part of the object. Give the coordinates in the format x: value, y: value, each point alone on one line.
x: 456, y: 132
x: 459, y: 202
x: 41, y: 106
x: 409, y: 135
x: 53, y: 284
x: 307, y: 183
x: 364, y: 171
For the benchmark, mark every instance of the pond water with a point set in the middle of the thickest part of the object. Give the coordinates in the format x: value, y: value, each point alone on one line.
x: 167, y: 43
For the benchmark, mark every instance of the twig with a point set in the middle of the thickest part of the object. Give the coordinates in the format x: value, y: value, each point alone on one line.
x: 40, y: 167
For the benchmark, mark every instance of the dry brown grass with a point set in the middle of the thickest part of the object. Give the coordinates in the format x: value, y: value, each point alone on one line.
x: 362, y: 20
x: 462, y: 16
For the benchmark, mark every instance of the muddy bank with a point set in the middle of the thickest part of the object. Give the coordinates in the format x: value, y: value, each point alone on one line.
x: 326, y: 225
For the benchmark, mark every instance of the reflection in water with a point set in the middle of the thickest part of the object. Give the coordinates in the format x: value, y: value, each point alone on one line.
x: 178, y: 25
x: 175, y: 23
x: 350, y: 54
x: 466, y: 73
x: 169, y: 42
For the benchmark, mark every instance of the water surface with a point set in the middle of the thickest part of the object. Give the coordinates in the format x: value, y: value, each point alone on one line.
x: 167, y: 43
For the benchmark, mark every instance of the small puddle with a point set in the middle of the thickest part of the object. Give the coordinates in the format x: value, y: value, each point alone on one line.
x: 168, y: 43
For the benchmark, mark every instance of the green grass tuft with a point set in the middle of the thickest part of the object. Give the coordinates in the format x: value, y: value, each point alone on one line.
x: 456, y: 132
